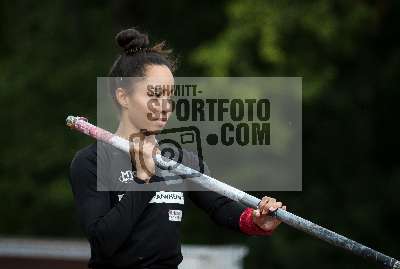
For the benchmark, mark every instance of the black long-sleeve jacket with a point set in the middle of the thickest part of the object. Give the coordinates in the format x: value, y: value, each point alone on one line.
x: 135, y: 229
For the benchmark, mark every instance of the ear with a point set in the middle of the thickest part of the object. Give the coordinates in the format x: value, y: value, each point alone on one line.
x: 122, y: 97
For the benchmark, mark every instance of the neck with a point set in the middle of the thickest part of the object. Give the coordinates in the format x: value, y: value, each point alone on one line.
x: 126, y: 128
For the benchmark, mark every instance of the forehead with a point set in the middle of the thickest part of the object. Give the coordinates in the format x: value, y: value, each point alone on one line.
x: 159, y: 74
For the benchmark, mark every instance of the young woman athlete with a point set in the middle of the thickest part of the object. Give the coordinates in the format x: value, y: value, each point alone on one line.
x: 141, y: 229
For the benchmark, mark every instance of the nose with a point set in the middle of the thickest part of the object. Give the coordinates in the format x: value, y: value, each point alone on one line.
x: 166, y: 105
x: 166, y: 111
x: 163, y: 107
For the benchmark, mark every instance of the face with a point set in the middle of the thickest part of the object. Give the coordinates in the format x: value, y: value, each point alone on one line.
x: 148, y: 106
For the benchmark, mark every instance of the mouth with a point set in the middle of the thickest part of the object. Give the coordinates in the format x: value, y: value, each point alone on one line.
x: 162, y: 121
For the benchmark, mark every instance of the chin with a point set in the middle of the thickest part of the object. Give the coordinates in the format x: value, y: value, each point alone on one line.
x: 155, y: 128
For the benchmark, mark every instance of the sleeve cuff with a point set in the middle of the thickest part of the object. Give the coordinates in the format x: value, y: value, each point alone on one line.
x: 247, y: 225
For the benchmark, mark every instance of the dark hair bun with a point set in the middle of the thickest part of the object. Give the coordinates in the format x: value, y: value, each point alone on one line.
x: 131, y: 39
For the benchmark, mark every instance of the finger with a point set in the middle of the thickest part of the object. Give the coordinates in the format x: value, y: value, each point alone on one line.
x: 256, y: 213
x: 272, y: 209
x: 133, y: 149
x: 134, y: 142
x: 262, y: 205
x: 264, y: 209
x: 269, y: 205
x: 275, y: 206
x: 263, y: 202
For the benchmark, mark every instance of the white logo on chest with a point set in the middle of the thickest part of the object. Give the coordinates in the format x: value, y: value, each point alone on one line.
x: 175, y: 215
x: 168, y: 197
x: 127, y: 176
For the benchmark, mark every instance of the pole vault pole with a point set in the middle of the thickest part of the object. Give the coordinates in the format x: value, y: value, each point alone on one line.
x: 212, y: 184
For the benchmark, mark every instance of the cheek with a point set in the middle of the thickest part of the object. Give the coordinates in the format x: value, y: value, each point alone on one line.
x: 138, y: 104
x: 140, y: 107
